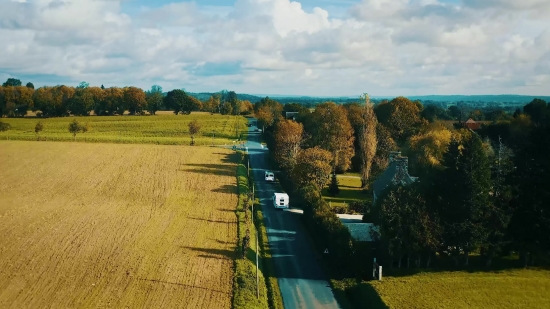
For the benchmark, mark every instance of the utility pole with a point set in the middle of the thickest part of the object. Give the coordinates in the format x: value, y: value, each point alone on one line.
x: 256, y: 230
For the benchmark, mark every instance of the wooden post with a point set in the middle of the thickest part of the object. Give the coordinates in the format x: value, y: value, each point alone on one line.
x: 379, y: 273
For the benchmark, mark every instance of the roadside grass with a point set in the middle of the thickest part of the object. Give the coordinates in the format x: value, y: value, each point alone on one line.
x: 244, y: 285
x: 518, y: 288
x: 350, y: 191
x: 268, y: 268
x: 164, y: 129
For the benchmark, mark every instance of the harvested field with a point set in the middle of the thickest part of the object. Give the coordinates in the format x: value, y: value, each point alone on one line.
x: 116, y: 226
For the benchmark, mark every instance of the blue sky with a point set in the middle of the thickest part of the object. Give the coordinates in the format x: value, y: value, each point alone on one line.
x: 323, y: 47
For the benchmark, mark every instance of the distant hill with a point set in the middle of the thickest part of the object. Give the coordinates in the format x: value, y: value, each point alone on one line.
x: 509, y: 99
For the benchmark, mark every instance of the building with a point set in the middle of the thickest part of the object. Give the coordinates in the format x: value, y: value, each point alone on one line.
x: 471, y: 124
x: 359, y: 231
x: 291, y: 115
x: 397, y: 172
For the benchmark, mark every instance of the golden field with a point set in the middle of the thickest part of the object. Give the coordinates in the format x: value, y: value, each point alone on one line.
x: 116, y: 226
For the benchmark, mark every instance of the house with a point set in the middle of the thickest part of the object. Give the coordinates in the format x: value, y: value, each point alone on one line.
x: 359, y: 231
x: 397, y: 172
x: 471, y: 124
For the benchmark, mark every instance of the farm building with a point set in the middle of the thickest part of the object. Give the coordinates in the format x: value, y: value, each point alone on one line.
x: 471, y: 124
x: 397, y: 172
x: 291, y: 115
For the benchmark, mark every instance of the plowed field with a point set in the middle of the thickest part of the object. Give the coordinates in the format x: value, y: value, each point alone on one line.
x: 116, y: 226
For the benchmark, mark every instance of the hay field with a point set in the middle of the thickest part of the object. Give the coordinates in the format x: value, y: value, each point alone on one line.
x: 116, y: 226
x: 164, y: 128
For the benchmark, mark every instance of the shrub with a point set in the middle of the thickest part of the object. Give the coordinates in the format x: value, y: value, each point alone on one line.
x: 4, y: 126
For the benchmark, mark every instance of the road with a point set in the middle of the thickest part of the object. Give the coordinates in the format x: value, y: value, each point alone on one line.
x: 301, y: 279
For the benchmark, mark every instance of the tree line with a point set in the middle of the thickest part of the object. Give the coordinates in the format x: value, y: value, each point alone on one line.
x: 478, y: 192
x: 61, y: 100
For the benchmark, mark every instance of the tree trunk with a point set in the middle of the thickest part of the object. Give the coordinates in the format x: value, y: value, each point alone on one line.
x: 419, y: 261
x: 399, y: 262
x: 466, y: 257
x: 408, y: 260
x: 523, y: 257
x: 429, y: 260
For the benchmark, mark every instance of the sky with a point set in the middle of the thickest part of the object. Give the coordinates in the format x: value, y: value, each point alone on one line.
x: 314, y: 48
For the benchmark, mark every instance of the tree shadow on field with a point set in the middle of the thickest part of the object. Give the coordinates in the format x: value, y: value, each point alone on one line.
x: 181, y: 284
x: 366, y: 295
x: 212, y: 169
x: 226, y: 210
x: 230, y: 189
x: 213, y: 253
x: 211, y: 220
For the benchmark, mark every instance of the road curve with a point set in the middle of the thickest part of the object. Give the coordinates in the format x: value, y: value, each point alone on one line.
x: 302, y: 282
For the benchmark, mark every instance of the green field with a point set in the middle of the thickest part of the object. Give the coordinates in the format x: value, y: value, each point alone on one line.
x: 521, y: 288
x: 350, y: 190
x: 164, y: 129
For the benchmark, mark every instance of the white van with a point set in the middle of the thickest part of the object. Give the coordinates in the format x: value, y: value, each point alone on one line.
x: 269, y: 176
x: 280, y: 200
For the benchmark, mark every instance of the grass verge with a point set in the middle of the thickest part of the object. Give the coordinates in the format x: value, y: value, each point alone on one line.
x: 268, y: 269
x: 244, y: 285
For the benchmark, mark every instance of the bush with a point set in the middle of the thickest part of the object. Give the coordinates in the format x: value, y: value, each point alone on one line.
x: 4, y: 126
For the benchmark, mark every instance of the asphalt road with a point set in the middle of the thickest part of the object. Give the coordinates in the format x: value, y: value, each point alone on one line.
x: 301, y: 279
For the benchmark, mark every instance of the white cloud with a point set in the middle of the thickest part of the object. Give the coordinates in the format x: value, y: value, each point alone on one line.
x: 385, y: 47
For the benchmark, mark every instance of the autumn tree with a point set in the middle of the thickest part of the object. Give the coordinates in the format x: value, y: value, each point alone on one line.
x: 212, y: 105
x: 111, y: 103
x: 426, y: 150
x: 268, y: 111
x: 288, y: 139
x: 367, y: 140
x: 401, y: 117
x: 134, y: 100
x: 82, y: 103
x: 194, y: 128
x: 330, y: 129
x: 313, y: 167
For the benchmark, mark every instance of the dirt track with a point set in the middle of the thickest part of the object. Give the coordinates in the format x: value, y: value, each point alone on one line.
x: 115, y: 226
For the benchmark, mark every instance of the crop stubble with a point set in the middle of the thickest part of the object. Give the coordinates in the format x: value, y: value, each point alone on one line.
x: 113, y: 226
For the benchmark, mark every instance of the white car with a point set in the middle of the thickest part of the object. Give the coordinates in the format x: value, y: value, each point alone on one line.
x: 269, y: 176
x: 280, y: 200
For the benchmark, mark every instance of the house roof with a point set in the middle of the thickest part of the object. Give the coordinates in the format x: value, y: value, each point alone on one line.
x: 471, y: 121
x: 361, y: 231
x: 388, y: 177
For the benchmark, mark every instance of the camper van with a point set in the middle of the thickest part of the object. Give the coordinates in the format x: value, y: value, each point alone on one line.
x: 280, y: 200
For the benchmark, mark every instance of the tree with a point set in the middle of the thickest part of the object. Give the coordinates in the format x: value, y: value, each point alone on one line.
x: 407, y: 226
x: 30, y: 85
x: 401, y: 117
x: 102, y: 87
x: 426, y: 150
x: 75, y: 127
x: 111, y: 103
x: 38, y: 128
x: 530, y: 223
x: 83, y: 85
x: 268, y: 111
x: 82, y: 103
x: 312, y: 168
x: 234, y: 101
x: 537, y: 110
x: 333, y: 189
x: 288, y: 136
x: 464, y: 188
x: 134, y: 100
x: 212, y: 105
x: 14, y: 82
x: 154, y: 102
x: 194, y: 128
x: 331, y: 130
x: 367, y: 140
